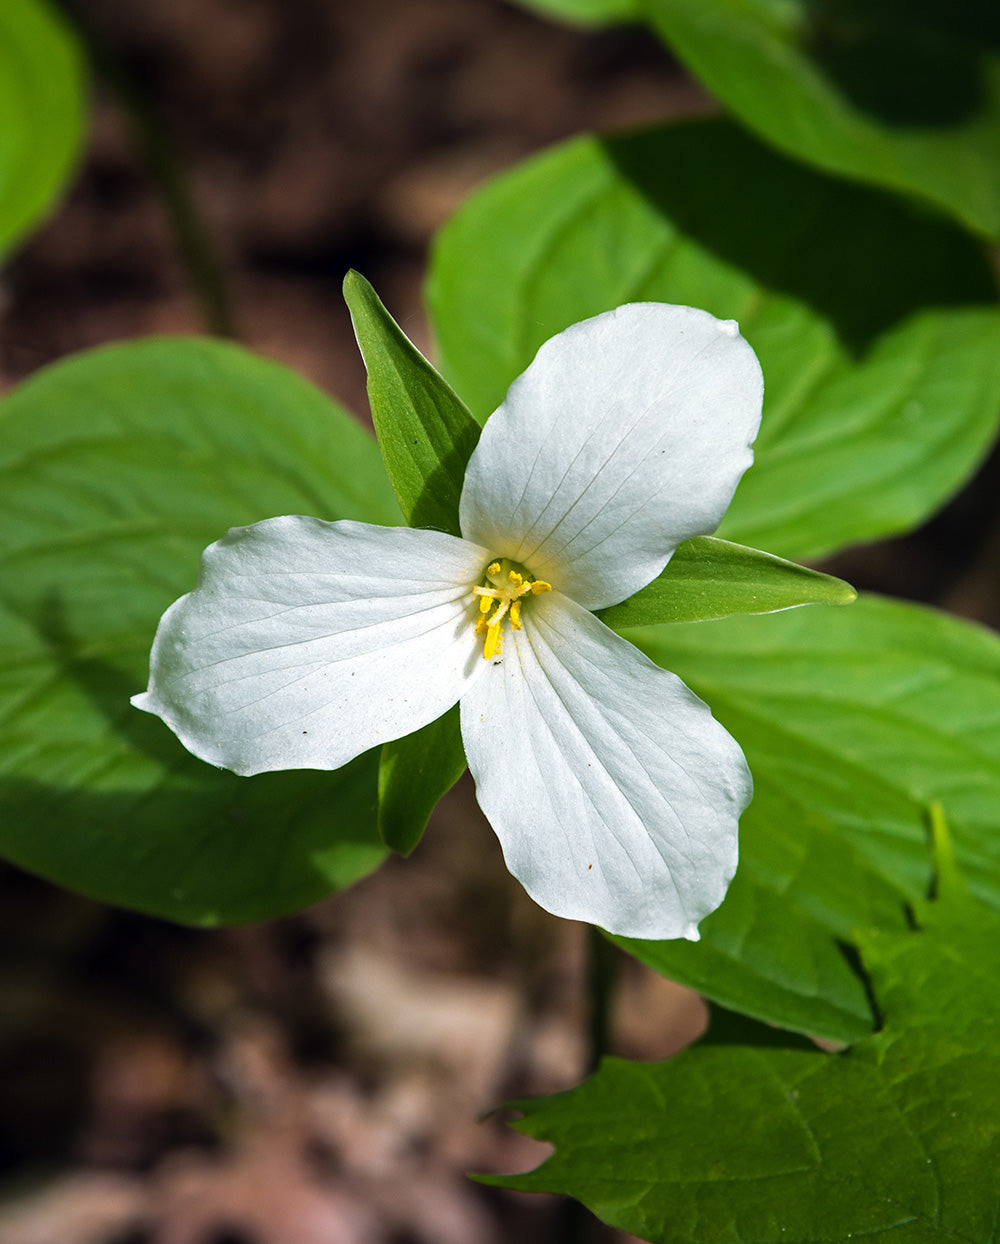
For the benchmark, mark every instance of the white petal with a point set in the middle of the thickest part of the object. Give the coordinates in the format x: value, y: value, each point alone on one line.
x: 614, y: 792
x: 627, y: 434
x: 305, y: 642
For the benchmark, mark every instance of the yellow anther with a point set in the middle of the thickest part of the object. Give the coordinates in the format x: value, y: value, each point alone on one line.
x: 507, y: 587
x: 492, y: 645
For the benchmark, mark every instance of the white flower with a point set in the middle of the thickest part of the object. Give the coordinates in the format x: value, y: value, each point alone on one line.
x: 614, y: 792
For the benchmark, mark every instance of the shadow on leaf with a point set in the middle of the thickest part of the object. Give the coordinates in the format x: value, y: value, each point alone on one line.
x: 906, y: 62
x: 133, y: 819
x: 783, y: 225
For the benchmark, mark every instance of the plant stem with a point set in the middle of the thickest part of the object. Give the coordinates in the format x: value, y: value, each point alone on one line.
x: 601, y: 973
x: 576, y: 1224
x: 166, y: 172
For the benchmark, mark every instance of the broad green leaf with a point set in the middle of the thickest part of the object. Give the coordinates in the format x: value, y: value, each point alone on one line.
x: 903, y: 94
x: 425, y: 432
x: 587, y: 12
x: 116, y: 468
x: 708, y: 578
x: 877, y: 328
x: 854, y: 722
x: 757, y: 1144
x: 42, y: 103
x: 413, y: 775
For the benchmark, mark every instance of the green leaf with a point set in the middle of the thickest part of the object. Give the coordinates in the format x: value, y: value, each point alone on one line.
x: 587, y: 12
x: 116, y: 468
x: 413, y: 775
x: 906, y: 95
x: 708, y: 578
x: 882, y: 371
x: 758, y: 1144
x: 42, y: 106
x: 425, y: 432
x: 854, y: 722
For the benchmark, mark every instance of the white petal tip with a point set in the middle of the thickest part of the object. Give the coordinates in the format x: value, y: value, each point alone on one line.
x: 654, y: 932
x: 729, y: 328
x: 140, y: 700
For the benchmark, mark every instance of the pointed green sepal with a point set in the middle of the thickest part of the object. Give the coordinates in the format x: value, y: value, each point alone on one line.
x: 709, y: 578
x: 414, y: 773
x: 424, y: 430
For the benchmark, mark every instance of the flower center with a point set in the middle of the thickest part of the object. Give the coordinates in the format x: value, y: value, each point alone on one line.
x: 502, y: 592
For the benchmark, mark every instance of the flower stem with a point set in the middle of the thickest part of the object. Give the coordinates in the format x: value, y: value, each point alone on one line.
x: 156, y: 151
x: 576, y: 1225
x: 601, y: 973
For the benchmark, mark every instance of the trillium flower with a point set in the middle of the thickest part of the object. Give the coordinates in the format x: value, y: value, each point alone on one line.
x: 614, y: 792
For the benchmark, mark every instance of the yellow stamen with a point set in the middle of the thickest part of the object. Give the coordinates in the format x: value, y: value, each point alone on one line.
x: 504, y: 599
x: 492, y: 645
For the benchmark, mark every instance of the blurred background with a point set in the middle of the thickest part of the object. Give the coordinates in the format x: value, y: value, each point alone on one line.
x: 320, y: 1079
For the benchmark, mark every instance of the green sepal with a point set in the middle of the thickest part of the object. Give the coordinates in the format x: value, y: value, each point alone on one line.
x: 708, y: 578
x: 424, y: 429
x: 414, y: 772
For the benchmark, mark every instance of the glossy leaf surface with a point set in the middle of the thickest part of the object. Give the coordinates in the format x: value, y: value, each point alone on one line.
x: 853, y: 723
x: 882, y: 375
x: 116, y: 468
x: 906, y: 95
x: 747, y: 1141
